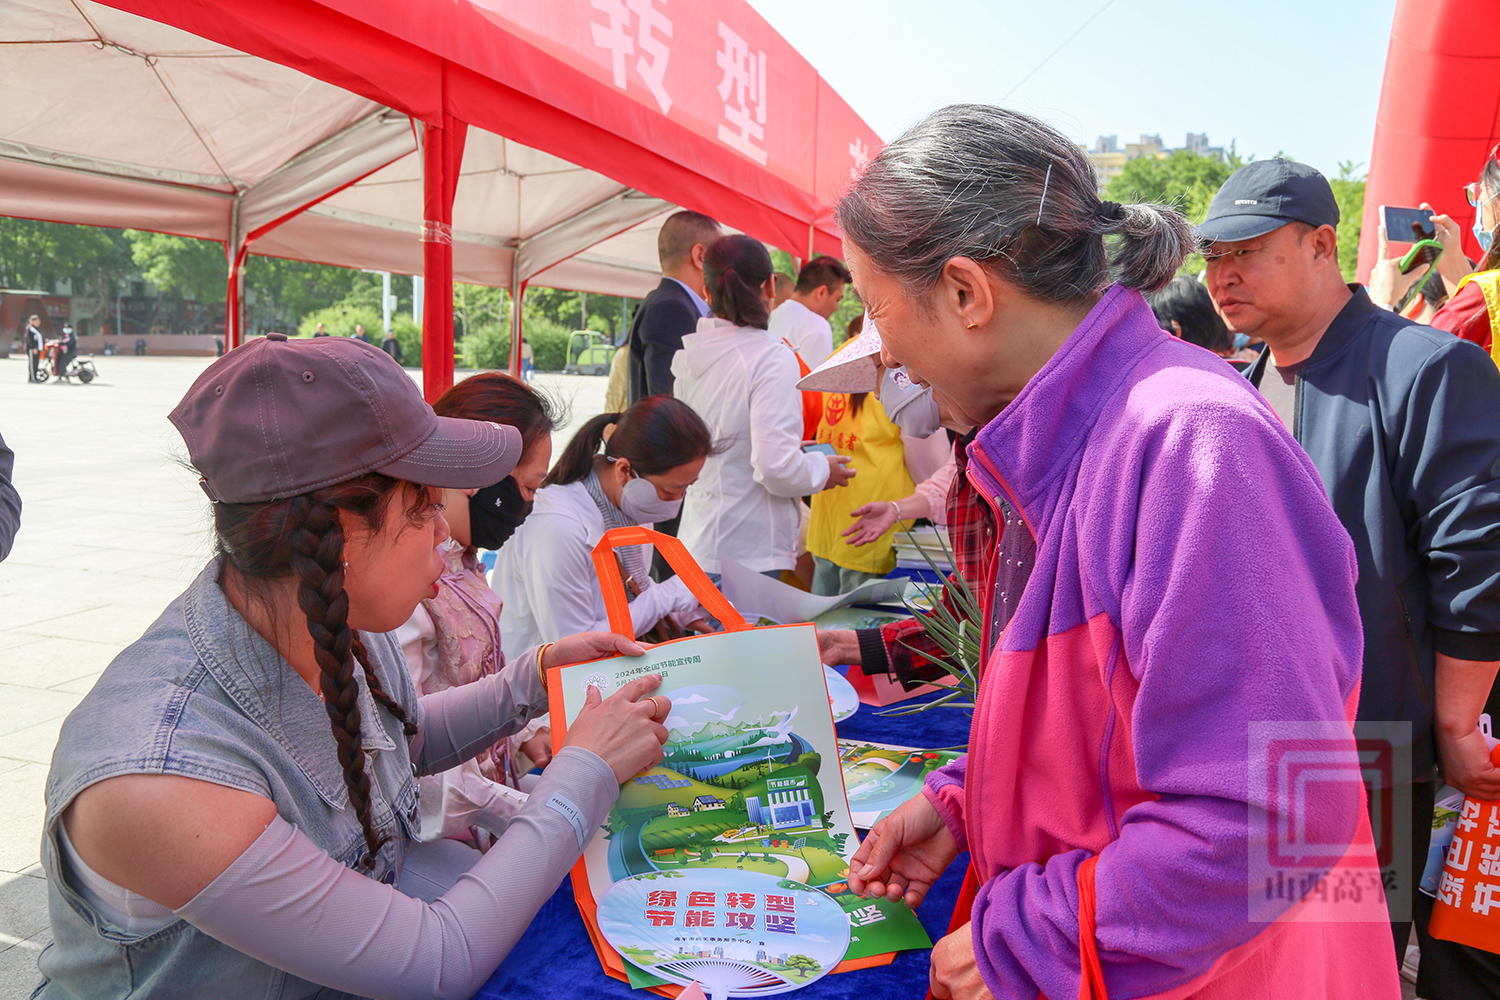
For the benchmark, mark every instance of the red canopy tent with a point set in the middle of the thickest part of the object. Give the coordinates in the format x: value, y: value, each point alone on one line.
x: 640, y: 107
x: 1439, y: 115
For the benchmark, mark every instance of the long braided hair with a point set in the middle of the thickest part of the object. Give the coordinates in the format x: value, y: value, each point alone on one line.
x: 302, y: 538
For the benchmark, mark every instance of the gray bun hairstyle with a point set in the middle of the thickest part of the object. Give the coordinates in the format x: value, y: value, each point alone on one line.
x: 1010, y: 192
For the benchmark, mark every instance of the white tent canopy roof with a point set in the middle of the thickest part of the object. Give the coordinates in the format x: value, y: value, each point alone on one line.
x: 111, y: 119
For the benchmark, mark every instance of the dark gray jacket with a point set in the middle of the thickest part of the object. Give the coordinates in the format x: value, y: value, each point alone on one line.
x: 10, y: 501
x: 1403, y: 424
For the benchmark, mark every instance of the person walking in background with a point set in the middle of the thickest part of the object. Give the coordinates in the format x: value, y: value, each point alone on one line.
x: 321, y: 331
x: 10, y: 501
x: 33, y: 339
x: 528, y: 360
x: 1112, y: 799
x: 1403, y: 424
x: 453, y: 637
x: 742, y: 380
x: 673, y: 308
x: 392, y: 346
x: 620, y: 469
x: 359, y: 333
x: 802, y: 320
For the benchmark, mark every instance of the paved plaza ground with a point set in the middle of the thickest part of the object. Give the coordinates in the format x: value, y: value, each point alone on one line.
x: 112, y: 529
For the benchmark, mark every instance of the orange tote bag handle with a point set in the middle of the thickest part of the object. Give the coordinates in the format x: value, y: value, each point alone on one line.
x: 676, y: 555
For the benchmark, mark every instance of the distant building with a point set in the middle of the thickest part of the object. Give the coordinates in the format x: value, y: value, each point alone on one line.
x: 706, y: 803
x: 673, y: 809
x: 1109, y: 157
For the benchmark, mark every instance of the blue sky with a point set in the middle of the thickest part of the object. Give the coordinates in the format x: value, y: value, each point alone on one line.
x: 1295, y: 76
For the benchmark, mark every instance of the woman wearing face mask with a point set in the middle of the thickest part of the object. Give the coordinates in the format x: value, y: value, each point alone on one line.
x: 620, y: 469
x: 453, y: 638
x: 1473, y: 307
x: 901, y: 649
x: 847, y: 555
x: 231, y: 810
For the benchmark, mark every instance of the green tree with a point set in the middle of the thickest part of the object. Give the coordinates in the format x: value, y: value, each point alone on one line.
x: 178, y: 265
x: 1184, y: 180
x: 36, y: 255
x: 1349, y: 192
x: 803, y: 965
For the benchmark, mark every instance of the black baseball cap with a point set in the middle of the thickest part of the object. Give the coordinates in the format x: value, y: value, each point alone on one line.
x: 1266, y: 195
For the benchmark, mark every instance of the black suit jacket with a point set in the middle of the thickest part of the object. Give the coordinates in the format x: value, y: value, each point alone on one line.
x: 666, y: 316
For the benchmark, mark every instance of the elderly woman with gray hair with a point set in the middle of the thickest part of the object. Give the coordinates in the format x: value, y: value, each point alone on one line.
x: 1121, y: 798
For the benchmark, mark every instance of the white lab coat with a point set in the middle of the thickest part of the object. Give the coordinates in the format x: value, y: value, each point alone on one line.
x: 744, y: 507
x: 810, y: 335
x: 545, y: 575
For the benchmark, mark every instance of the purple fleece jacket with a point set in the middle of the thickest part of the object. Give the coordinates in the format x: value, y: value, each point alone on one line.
x: 1172, y: 595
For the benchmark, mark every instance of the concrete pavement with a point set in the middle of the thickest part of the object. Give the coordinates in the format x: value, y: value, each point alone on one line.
x: 112, y: 529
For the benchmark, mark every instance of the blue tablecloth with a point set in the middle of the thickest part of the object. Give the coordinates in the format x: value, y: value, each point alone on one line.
x: 555, y: 959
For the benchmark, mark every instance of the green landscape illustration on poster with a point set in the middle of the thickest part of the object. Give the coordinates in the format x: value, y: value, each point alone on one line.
x: 749, y: 781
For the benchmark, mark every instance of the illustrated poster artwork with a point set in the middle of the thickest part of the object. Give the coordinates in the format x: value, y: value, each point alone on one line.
x: 750, y: 780
x: 879, y: 778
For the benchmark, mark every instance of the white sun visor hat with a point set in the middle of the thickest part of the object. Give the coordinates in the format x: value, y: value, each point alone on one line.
x: 852, y: 368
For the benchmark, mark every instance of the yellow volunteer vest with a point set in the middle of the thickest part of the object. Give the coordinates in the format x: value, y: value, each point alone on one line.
x: 1489, y: 284
x: 874, y: 443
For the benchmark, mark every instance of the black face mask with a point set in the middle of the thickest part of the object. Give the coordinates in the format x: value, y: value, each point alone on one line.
x: 495, y: 513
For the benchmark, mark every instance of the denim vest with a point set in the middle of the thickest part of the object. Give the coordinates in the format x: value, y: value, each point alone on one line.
x: 201, y: 694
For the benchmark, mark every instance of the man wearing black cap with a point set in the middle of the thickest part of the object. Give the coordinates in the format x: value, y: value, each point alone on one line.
x: 1403, y: 424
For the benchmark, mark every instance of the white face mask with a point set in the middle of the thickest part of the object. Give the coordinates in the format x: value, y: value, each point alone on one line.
x: 640, y: 502
x: 908, y: 405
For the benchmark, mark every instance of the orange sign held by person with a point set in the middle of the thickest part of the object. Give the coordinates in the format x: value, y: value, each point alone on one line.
x: 1468, y: 899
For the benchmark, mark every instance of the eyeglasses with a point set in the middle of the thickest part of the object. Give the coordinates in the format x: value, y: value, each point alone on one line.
x: 1472, y: 192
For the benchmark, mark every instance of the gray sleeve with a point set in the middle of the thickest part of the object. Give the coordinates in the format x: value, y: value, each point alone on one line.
x: 285, y: 902
x: 10, y: 501
x: 456, y: 724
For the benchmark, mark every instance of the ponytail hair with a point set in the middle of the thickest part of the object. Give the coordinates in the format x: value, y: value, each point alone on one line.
x: 656, y: 435
x: 735, y: 269
x: 1008, y: 191
x: 302, y: 538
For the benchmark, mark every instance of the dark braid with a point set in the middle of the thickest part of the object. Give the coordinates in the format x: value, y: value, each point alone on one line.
x: 317, y: 558
x: 378, y: 690
x: 302, y: 538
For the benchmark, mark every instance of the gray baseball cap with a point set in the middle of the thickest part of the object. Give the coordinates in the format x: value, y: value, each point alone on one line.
x: 1266, y: 195
x: 277, y: 418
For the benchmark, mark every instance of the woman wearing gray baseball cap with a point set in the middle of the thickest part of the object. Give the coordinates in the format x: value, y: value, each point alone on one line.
x: 211, y: 828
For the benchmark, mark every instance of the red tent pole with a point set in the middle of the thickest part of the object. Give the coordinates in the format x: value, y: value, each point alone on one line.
x: 515, y: 328
x: 442, y: 156
x: 234, y: 312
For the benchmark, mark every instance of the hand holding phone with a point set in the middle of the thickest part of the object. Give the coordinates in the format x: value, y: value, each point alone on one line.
x: 1406, y: 225
x: 1421, y: 252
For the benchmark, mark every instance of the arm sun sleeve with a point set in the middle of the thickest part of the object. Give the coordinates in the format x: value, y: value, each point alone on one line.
x: 456, y: 724
x: 285, y: 902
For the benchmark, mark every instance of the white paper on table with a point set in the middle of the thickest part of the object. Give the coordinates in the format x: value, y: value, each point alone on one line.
x: 756, y: 595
